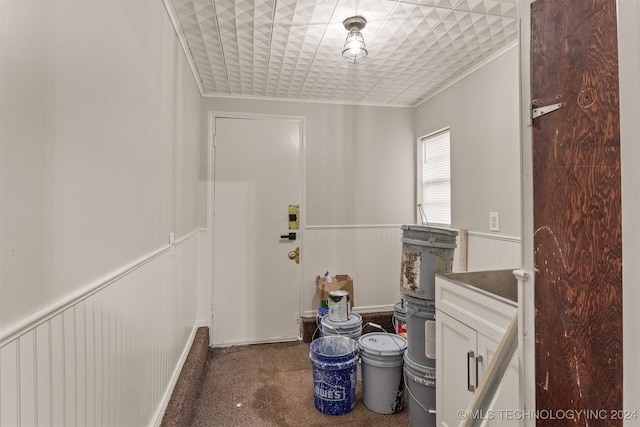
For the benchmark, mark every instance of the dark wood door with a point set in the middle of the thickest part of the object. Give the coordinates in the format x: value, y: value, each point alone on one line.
x: 577, y: 212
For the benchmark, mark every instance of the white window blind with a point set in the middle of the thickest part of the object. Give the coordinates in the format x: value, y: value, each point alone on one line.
x: 436, y: 178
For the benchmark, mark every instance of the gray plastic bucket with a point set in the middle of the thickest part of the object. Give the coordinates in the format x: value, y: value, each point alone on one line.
x: 351, y: 328
x: 421, y: 331
x: 400, y: 319
x: 421, y: 387
x: 382, y: 380
x: 426, y: 251
x: 334, y: 360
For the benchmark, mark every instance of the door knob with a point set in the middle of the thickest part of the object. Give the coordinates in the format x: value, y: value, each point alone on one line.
x: 290, y: 236
x: 295, y: 255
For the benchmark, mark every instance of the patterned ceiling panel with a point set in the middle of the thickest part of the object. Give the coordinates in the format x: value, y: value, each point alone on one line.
x: 291, y: 49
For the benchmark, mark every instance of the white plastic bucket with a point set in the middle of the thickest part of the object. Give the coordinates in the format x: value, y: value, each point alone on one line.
x: 381, y: 355
x: 351, y: 328
x: 426, y: 251
x: 421, y: 387
x: 421, y: 331
x: 400, y: 319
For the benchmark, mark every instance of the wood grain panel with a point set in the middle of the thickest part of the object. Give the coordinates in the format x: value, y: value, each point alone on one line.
x: 577, y: 211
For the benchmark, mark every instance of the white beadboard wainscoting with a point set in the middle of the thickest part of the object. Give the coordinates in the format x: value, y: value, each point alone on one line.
x: 371, y: 255
x: 109, y: 355
x: 493, y: 252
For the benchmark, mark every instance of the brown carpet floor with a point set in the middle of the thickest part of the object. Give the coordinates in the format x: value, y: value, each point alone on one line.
x: 270, y: 385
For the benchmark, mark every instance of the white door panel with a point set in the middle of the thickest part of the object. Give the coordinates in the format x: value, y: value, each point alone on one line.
x: 255, y: 284
x: 508, y: 397
x: 455, y: 371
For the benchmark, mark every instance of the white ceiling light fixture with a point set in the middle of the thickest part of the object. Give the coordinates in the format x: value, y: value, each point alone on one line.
x: 354, y: 48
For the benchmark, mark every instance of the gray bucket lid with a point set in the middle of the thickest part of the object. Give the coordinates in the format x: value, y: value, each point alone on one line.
x: 422, y: 302
x: 382, y: 344
x: 426, y: 229
x: 399, y: 308
x: 354, y: 321
x: 430, y: 237
x: 418, y: 369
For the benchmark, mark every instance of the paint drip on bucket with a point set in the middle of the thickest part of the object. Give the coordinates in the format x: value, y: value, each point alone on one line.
x: 339, y: 306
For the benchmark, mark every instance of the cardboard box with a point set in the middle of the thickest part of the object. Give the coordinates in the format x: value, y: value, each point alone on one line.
x: 338, y: 282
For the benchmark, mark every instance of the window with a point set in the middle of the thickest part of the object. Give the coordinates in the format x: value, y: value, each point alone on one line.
x: 434, y: 178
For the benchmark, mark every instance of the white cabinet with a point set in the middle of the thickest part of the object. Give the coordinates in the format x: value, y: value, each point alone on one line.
x: 469, y: 326
x: 452, y: 377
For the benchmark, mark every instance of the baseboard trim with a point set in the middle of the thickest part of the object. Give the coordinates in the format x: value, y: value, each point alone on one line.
x: 166, y: 398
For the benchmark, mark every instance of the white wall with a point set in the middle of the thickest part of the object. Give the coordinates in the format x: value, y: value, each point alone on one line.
x: 110, y: 358
x: 100, y: 132
x: 359, y: 164
x: 359, y: 160
x: 629, y: 62
x: 360, y: 181
x: 100, y: 139
x: 482, y: 113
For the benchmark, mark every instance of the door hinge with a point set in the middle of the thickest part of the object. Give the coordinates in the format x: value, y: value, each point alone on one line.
x: 541, y: 111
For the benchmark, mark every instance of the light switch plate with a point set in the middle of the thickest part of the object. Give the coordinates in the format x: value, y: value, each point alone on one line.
x: 494, y: 221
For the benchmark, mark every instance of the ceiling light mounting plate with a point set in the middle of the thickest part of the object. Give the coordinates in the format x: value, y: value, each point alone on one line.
x: 355, y: 23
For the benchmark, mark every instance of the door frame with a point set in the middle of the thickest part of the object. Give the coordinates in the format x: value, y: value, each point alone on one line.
x: 211, y: 133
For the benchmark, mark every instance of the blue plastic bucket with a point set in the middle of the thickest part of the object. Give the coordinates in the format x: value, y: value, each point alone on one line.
x: 322, y: 311
x: 334, y: 360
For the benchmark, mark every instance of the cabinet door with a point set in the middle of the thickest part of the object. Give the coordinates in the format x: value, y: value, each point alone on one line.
x: 455, y: 368
x: 508, y: 393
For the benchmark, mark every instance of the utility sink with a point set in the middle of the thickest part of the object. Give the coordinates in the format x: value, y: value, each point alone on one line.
x: 498, y: 282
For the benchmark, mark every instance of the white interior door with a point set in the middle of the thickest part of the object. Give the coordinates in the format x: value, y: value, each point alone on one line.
x: 256, y: 177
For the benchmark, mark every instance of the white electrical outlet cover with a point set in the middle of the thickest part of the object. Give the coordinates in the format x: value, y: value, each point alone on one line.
x: 494, y: 221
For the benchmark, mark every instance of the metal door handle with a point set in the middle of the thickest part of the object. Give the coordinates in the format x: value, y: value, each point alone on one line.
x: 295, y: 255
x: 290, y: 236
x: 470, y: 356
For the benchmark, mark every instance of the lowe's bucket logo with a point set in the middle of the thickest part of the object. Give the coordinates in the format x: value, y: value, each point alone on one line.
x: 329, y: 392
